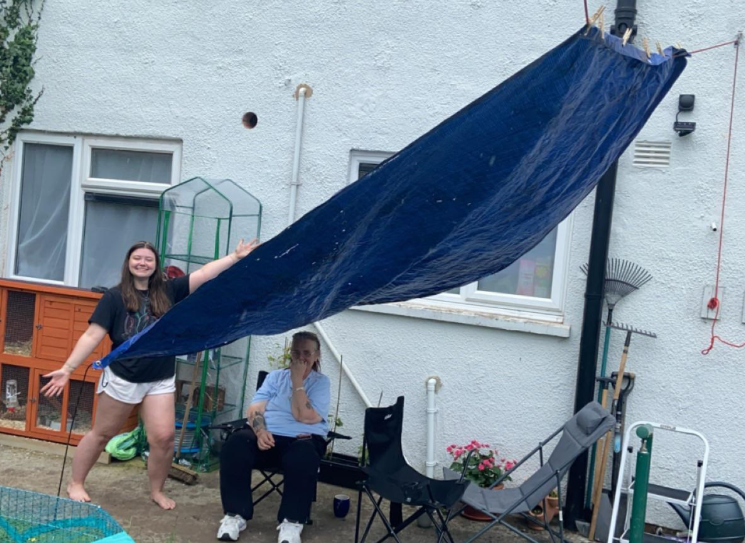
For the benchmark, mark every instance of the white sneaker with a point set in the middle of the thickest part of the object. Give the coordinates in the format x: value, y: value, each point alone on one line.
x: 289, y: 532
x: 231, y: 528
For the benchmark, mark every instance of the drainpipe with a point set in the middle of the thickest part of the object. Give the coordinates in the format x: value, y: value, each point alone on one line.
x: 625, y: 15
x: 424, y: 521
x: 302, y: 93
x: 431, y: 415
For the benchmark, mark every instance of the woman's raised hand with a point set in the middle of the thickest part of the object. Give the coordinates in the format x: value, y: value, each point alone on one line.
x: 243, y: 249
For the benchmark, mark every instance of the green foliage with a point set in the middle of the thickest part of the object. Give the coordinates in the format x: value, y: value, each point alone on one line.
x: 362, y: 456
x: 282, y: 358
x: 19, y: 25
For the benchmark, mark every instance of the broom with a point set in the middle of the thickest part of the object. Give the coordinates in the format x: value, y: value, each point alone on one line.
x: 177, y: 471
x: 622, y: 277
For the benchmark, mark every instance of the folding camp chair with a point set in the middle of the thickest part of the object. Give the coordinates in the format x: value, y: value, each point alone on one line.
x: 269, y: 475
x: 577, y: 436
x: 392, y: 478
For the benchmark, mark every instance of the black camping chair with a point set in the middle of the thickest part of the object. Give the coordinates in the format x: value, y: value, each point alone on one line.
x: 271, y: 476
x: 392, y: 478
x: 577, y: 436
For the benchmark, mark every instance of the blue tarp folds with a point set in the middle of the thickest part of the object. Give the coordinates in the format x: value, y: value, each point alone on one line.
x: 462, y: 202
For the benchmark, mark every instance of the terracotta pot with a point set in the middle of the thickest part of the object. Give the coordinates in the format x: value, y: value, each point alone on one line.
x: 474, y: 514
x: 552, y: 508
x: 536, y: 513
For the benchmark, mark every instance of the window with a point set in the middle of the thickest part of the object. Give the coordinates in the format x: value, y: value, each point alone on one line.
x: 531, y: 286
x: 78, y: 203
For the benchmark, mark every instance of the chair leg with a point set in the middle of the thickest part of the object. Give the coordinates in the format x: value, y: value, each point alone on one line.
x: 268, y: 480
x: 452, y: 513
x: 372, y: 516
x: 378, y: 511
x: 443, y: 530
x: 499, y: 520
x: 359, y: 514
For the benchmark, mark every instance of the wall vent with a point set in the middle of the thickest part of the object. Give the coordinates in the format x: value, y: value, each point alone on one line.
x: 652, y: 154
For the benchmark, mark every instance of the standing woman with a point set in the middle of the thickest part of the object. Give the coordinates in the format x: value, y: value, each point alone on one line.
x: 142, y: 296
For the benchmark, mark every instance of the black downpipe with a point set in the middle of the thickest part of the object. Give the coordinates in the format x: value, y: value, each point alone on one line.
x: 593, y: 313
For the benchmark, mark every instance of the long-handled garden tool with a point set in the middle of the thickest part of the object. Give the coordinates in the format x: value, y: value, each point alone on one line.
x: 600, y: 462
x: 177, y: 471
x: 622, y: 277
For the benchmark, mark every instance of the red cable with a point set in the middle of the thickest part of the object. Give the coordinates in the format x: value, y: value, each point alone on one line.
x: 714, y: 302
x: 712, y: 47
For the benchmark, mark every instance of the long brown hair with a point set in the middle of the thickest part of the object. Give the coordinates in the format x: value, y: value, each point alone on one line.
x: 156, y: 288
x: 304, y: 334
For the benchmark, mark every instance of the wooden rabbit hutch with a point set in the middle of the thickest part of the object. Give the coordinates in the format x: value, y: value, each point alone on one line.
x: 39, y: 325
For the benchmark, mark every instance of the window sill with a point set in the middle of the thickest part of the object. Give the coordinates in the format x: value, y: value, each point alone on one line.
x: 471, y: 318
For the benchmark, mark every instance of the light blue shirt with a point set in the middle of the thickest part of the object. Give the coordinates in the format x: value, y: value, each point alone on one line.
x: 277, y: 392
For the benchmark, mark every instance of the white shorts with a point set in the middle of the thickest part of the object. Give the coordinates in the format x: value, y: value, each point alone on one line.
x: 126, y: 392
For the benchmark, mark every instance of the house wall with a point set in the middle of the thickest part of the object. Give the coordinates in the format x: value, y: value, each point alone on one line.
x: 382, y: 76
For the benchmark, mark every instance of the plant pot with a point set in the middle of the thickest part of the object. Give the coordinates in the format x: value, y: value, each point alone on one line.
x: 551, y: 505
x: 552, y: 508
x: 474, y: 514
x: 537, y: 514
x: 341, y: 470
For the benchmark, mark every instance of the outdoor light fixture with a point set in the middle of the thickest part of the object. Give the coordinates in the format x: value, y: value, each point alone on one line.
x: 685, y: 103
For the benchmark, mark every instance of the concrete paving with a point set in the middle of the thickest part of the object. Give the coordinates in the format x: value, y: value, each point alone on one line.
x: 121, y: 489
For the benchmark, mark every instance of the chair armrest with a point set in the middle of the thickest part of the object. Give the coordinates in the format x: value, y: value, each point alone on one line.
x: 333, y: 435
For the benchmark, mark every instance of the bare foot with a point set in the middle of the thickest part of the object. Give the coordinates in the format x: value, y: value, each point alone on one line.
x: 77, y: 492
x: 164, y: 501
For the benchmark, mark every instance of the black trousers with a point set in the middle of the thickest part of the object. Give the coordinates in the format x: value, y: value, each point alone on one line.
x: 298, y: 458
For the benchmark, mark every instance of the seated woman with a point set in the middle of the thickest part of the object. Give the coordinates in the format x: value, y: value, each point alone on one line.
x: 287, y: 427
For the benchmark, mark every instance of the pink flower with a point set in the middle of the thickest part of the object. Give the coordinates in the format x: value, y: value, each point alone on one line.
x: 469, y: 447
x: 508, y: 466
x: 481, y: 467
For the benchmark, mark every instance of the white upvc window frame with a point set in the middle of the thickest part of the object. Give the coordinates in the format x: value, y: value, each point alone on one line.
x: 82, y: 183
x: 509, y: 305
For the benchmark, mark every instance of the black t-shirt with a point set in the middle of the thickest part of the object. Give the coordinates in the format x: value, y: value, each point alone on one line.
x: 112, y: 314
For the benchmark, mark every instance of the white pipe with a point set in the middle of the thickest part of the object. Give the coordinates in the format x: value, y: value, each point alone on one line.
x: 296, y: 157
x: 431, y: 414
x: 345, y: 368
x: 302, y: 90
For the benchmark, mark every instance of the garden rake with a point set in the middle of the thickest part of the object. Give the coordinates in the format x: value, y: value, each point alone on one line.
x: 622, y: 277
x: 600, y: 463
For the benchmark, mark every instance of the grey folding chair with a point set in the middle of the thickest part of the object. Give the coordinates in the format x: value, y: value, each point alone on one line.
x: 577, y: 436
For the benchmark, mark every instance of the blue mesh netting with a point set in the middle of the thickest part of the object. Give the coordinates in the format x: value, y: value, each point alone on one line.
x: 31, y: 517
x: 462, y: 202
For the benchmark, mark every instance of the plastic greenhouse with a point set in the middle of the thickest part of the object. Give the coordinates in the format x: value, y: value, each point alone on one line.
x: 201, y: 220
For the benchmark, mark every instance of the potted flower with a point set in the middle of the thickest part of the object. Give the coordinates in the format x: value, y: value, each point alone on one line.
x: 484, y: 468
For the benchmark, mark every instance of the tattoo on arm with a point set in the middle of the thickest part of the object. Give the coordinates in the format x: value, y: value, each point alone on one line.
x: 258, y: 422
x: 308, y: 406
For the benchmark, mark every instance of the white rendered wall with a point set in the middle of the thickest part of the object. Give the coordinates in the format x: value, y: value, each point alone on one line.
x: 382, y: 74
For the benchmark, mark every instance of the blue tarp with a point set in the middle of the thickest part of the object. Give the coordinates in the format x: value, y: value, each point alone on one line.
x: 461, y: 202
